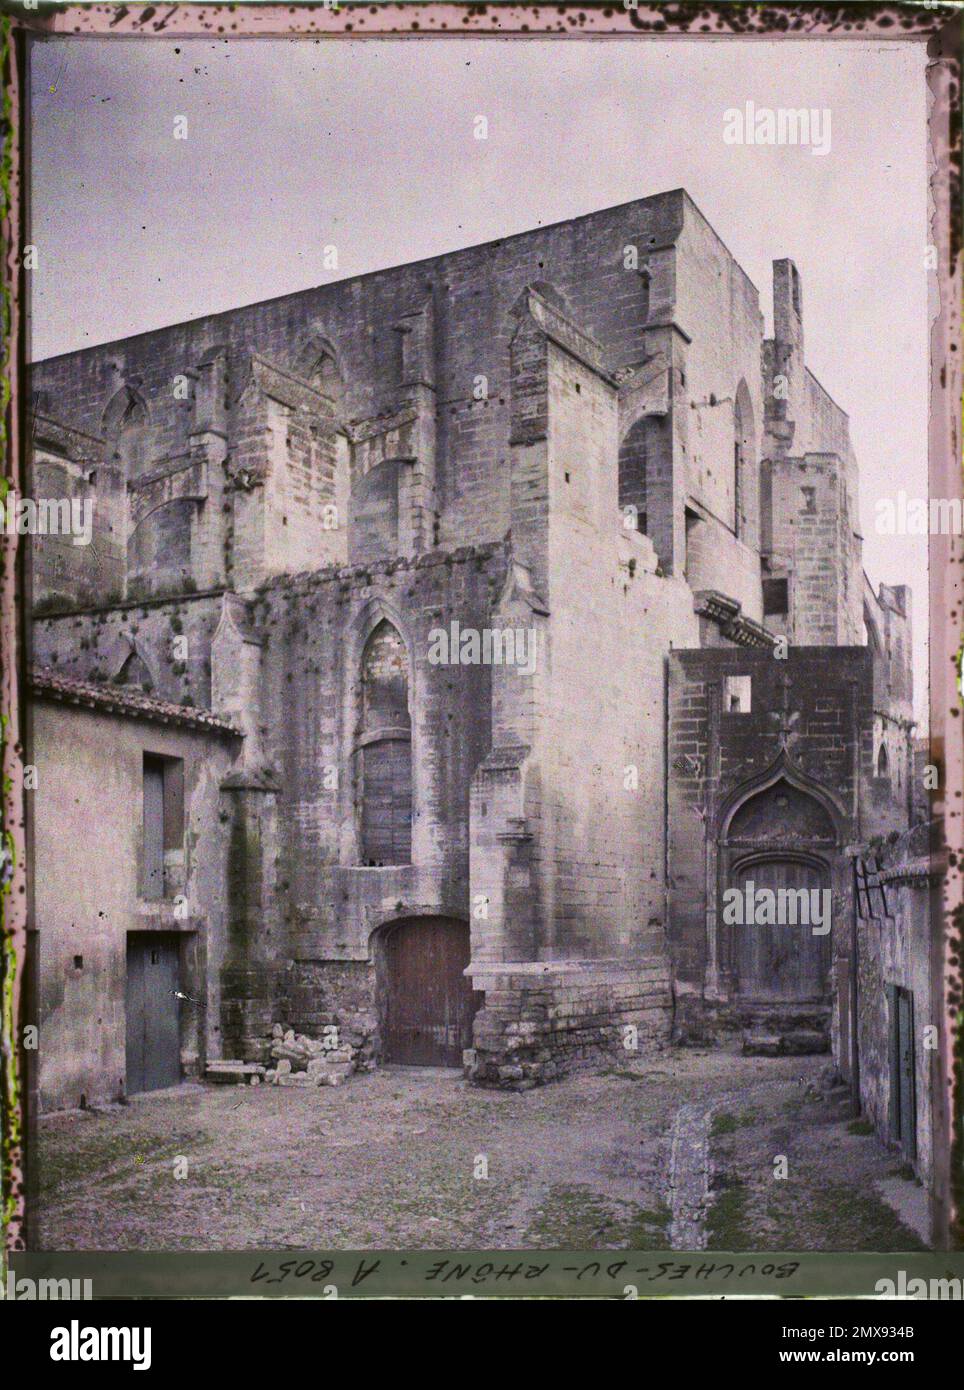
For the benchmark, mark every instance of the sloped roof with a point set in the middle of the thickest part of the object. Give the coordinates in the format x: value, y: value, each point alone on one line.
x: 124, y: 700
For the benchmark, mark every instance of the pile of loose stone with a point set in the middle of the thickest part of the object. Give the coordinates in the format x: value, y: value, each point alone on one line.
x: 329, y: 1061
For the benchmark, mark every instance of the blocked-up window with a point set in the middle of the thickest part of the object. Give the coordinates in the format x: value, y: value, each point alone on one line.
x: 384, y: 777
x: 163, y: 819
x: 776, y: 599
x: 387, y: 802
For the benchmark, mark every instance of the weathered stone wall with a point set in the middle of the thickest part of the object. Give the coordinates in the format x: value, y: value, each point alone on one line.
x: 567, y: 841
x: 717, y: 307
x: 73, y: 467
x: 810, y: 527
x: 254, y: 954
x: 888, y: 617
x: 815, y: 548
x: 543, y: 1021
x: 567, y: 846
x: 94, y: 644
x: 314, y: 631
x: 472, y: 292
x: 603, y: 836
x: 716, y: 561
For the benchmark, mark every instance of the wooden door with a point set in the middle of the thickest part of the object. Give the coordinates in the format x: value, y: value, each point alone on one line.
x: 781, y: 962
x: 903, y: 1096
x: 153, y: 1013
x: 427, y: 1002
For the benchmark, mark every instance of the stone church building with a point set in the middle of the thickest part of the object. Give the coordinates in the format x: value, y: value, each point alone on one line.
x: 451, y: 639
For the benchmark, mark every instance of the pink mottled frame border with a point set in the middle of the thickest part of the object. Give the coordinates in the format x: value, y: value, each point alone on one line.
x: 938, y: 27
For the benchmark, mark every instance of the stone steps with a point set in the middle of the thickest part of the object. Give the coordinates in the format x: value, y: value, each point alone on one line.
x: 779, y: 1030
x: 237, y: 1072
x: 796, y: 1043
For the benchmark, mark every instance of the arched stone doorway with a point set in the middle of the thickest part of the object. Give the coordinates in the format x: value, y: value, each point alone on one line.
x: 425, y: 1002
x: 779, y: 844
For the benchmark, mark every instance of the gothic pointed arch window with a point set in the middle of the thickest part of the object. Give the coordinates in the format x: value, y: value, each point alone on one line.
x: 316, y: 361
x: 324, y: 376
x: 135, y: 672
x: 384, y: 751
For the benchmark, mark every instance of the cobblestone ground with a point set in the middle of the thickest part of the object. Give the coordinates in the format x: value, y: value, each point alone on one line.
x: 390, y: 1161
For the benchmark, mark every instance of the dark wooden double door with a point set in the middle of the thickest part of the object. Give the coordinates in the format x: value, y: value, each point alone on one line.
x: 775, y: 962
x: 427, y: 1003
x: 153, y: 1011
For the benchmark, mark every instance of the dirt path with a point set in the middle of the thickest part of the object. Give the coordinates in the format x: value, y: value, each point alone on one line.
x: 416, y: 1158
x: 689, y: 1176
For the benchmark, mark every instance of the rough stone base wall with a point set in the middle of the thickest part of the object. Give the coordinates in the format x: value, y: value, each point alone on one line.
x: 249, y: 1006
x: 541, y: 1021
x: 315, y: 995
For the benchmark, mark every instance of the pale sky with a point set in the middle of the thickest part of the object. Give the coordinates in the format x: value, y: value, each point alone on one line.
x: 368, y: 145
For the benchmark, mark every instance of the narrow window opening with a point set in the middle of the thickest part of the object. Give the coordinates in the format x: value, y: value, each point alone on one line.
x: 736, y: 694
x: 775, y: 597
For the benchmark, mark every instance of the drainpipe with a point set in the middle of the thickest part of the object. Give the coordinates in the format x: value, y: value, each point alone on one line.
x: 854, y: 939
x: 667, y: 750
x: 854, y: 998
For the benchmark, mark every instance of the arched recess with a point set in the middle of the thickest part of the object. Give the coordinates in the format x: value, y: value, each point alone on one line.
x: 782, y: 769
x: 744, y: 463
x: 425, y: 1003
x: 382, y: 749
x: 126, y: 427
x: 159, y: 548
x: 127, y: 664
x: 779, y: 843
x: 316, y: 361
x: 645, y: 481
x: 373, y: 512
